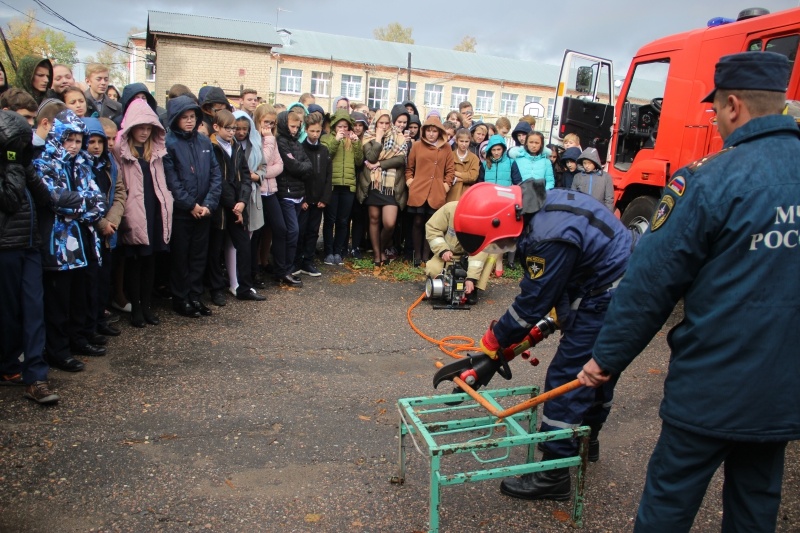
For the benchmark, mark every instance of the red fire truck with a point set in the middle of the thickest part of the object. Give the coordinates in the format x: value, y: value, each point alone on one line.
x: 657, y: 124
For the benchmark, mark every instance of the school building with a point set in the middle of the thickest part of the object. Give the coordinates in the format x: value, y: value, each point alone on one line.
x: 281, y: 64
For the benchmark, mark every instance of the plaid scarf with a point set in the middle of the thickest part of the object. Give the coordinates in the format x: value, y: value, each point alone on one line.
x: 394, y: 144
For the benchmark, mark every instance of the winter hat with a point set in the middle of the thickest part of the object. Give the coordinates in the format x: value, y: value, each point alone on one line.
x: 360, y: 117
x: 592, y: 155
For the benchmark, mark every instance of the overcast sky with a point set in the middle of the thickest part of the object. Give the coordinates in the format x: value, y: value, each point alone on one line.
x: 539, y: 31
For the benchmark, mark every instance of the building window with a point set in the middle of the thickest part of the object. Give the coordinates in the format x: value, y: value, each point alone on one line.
x: 351, y: 87
x: 433, y: 95
x: 404, y: 94
x: 291, y: 80
x: 149, y: 70
x: 320, y: 83
x: 508, y: 104
x: 458, y: 95
x: 378, y: 93
x: 550, y: 103
x: 533, y: 99
x: 484, y: 101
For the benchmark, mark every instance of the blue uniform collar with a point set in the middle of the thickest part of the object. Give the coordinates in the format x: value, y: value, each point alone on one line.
x: 759, y: 126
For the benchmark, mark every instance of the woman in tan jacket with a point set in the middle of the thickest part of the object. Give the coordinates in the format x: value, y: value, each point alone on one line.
x: 429, y: 176
x: 467, y: 166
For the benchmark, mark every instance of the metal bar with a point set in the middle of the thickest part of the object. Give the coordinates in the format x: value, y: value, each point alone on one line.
x: 494, y: 473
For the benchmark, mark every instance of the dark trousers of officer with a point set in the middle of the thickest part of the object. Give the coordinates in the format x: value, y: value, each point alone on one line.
x: 215, y: 271
x: 22, y: 315
x: 309, y: 222
x: 66, y: 303
x: 582, y: 406
x: 240, y: 238
x: 337, y: 219
x: 681, y: 467
x: 189, y: 250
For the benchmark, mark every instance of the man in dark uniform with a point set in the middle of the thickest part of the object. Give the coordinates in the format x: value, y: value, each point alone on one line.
x: 574, y: 252
x: 723, y: 238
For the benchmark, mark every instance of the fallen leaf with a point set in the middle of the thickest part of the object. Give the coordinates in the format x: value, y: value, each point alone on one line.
x: 381, y: 400
x: 561, y: 516
x: 313, y: 517
x: 362, y: 417
x: 357, y: 523
x: 382, y: 412
x: 230, y: 484
x: 654, y: 371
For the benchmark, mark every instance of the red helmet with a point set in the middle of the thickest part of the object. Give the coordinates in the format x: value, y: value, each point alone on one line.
x: 486, y: 213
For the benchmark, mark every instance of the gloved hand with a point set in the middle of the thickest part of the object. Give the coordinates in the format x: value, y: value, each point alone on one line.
x: 488, y: 343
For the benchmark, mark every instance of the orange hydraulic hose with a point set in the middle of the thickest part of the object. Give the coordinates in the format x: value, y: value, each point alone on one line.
x: 457, y: 343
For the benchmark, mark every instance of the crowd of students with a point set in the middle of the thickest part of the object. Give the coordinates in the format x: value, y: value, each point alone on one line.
x: 112, y: 200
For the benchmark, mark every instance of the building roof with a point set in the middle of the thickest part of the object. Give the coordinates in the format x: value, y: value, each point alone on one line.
x: 319, y: 45
x: 360, y: 50
x: 240, y: 31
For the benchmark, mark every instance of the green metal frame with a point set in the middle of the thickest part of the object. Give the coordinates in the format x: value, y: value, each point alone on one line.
x: 434, y: 422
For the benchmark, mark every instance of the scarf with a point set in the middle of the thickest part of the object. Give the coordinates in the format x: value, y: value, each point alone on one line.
x: 394, y: 144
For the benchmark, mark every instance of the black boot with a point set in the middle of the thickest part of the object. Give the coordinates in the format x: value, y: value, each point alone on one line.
x: 547, y: 485
x: 594, y: 443
x: 137, y: 317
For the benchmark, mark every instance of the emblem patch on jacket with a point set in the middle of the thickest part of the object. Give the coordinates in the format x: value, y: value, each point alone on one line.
x: 535, y: 266
x: 662, y: 212
x: 677, y: 185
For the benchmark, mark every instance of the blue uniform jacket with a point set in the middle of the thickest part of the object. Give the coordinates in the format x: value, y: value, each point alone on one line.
x: 725, y: 239
x: 572, y: 248
x: 192, y: 171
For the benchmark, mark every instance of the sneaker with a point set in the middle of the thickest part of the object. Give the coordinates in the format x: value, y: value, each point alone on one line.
x: 330, y: 259
x: 310, y: 270
x: 40, y: 392
x: 296, y: 271
x: 124, y: 308
x: 338, y: 260
x: 355, y: 253
x: 11, y: 379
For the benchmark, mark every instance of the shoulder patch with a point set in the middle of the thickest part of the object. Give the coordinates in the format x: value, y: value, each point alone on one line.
x: 677, y: 185
x: 662, y: 212
x: 700, y: 162
x: 535, y: 266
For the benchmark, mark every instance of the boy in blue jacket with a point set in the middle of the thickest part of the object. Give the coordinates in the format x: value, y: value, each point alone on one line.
x: 195, y: 180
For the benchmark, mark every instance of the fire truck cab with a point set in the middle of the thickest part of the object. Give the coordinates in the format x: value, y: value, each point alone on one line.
x: 658, y: 124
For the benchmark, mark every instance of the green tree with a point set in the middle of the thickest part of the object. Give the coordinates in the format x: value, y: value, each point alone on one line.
x: 117, y: 63
x: 394, y: 32
x: 25, y: 37
x: 467, y: 44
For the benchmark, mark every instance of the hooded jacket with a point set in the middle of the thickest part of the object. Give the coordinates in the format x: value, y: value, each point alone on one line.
x: 535, y: 167
x: 214, y: 95
x: 502, y: 171
x: 343, y: 161
x: 106, y: 170
x: 318, y: 187
x: 133, y: 229
x: 193, y: 175
x: 414, y: 119
x: 296, y: 165
x: 430, y: 170
x: 412, y: 104
x: 570, y: 154
x: 595, y: 183
x: 522, y: 127
x: 302, y: 135
x: 67, y: 229
x: 398, y: 110
x: 21, y: 190
x: 235, y: 178
x: 25, y: 70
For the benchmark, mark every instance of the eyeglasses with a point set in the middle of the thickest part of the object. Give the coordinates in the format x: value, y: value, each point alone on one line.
x: 229, y: 128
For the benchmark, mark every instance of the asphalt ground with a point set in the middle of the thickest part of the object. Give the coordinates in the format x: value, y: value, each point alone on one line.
x: 281, y: 416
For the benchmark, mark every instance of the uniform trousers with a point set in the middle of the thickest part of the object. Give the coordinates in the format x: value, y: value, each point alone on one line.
x: 189, y: 250
x: 681, y: 468
x: 582, y: 406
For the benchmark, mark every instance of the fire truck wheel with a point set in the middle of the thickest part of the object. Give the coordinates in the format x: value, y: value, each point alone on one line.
x: 643, y: 206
